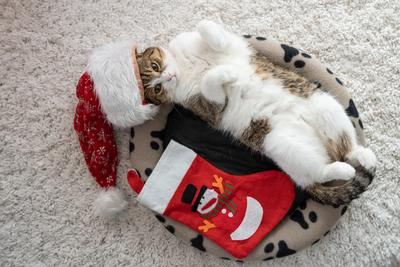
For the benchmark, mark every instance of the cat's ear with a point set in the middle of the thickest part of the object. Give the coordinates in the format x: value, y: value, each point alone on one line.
x: 139, y: 57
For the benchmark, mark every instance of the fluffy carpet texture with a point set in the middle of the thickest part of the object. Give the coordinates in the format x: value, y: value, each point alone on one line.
x: 46, y: 193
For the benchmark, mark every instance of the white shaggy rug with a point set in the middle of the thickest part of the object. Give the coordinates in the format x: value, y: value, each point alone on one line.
x: 46, y: 193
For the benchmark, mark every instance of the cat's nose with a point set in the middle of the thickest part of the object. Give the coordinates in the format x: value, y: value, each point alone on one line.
x: 169, y: 76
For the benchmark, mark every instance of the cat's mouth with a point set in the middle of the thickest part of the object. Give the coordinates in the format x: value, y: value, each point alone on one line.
x: 169, y: 77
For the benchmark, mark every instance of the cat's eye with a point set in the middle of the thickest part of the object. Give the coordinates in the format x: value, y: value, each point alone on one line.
x: 154, y: 66
x: 157, y: 89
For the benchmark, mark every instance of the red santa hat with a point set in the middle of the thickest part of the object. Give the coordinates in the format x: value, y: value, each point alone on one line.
x: 110, y: 95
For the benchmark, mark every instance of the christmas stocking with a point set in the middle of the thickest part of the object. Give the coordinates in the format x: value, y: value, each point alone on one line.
x: 236, y: 212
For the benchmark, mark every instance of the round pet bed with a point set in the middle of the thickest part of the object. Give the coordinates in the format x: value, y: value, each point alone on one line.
x: 301, y: 228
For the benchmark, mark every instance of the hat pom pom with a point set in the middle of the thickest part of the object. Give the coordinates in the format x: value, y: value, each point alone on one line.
x: 109, y: 203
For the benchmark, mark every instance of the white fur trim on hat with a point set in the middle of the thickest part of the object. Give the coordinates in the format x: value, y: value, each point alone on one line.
x: 111, y: 70
x: 109, y: 202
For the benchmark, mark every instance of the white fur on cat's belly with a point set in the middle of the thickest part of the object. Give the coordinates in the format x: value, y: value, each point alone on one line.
x: 296, y: 149
x: 251, y: 99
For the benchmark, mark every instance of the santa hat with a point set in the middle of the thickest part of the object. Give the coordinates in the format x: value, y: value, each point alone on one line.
x: 110, y: 94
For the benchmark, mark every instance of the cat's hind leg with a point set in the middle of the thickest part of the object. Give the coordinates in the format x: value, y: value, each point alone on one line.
x: 299, y: 152
x: 334, y: 123
x: 362, y: 156
x: 337, y: 170
x: 213, y: 34
x: 212, y: 84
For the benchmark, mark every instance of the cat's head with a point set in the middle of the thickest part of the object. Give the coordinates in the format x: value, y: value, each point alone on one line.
x: 159, y: 73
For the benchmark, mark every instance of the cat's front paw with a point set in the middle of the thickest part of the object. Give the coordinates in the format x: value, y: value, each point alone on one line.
x: 228, y: 73
x: 213, y: 82
x: 206, y: 24
x: 213, y: 34
x: 338, y: 171
x: 214, y: 96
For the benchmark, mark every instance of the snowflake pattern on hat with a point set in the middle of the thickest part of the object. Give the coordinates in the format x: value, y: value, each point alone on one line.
x: 95, y: 135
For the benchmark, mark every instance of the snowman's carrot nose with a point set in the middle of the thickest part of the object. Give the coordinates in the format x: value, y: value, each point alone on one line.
x: 209, y: 203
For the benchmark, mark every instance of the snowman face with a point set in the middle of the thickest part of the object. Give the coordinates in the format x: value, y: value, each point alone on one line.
x: 208, y: 201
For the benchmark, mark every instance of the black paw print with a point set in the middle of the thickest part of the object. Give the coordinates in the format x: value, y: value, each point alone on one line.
x: 283, y: 250
x: 299, y: 217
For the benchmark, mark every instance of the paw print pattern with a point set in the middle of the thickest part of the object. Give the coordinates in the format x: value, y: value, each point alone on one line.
x: 361, y: 124
x: 259, y: 38
x: 299, y: 217
x: 312, y: 216
x: 352, y: 110
x: 299, y: 63
x: 154, y: 144
x: 269, y: 248
x: 148, y: 171
x: 315, y: 242
x: 291, y: 52
x: 197, y: 242
x: 337, y: 79
x: 160, y: 218
x: 170, y: 229
x: 158, y: 134
x: 131, y: 146
x: 282, y: 250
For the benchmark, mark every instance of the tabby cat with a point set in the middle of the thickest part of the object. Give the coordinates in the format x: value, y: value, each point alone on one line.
x: 272, y: 110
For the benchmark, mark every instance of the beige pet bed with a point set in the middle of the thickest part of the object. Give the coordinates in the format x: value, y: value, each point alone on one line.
x: 310, y: 221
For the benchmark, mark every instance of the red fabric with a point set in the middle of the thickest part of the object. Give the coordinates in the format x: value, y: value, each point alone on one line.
x: 273, y: 190
x: 135, y: 181
x: 95, y: 134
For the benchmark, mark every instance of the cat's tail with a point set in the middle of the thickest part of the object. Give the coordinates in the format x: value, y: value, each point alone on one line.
x: 335, y: 194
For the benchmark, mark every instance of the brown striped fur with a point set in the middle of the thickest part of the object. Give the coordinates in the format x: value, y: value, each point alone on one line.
x: 338, y: 149
x: 340, y: 192
x: 291, y: 81
x: 151, y: 57
x: 206, y: 110
x: 255, y: 134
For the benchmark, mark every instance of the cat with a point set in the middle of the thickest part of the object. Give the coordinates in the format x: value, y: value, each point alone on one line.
x: 274, y: 111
